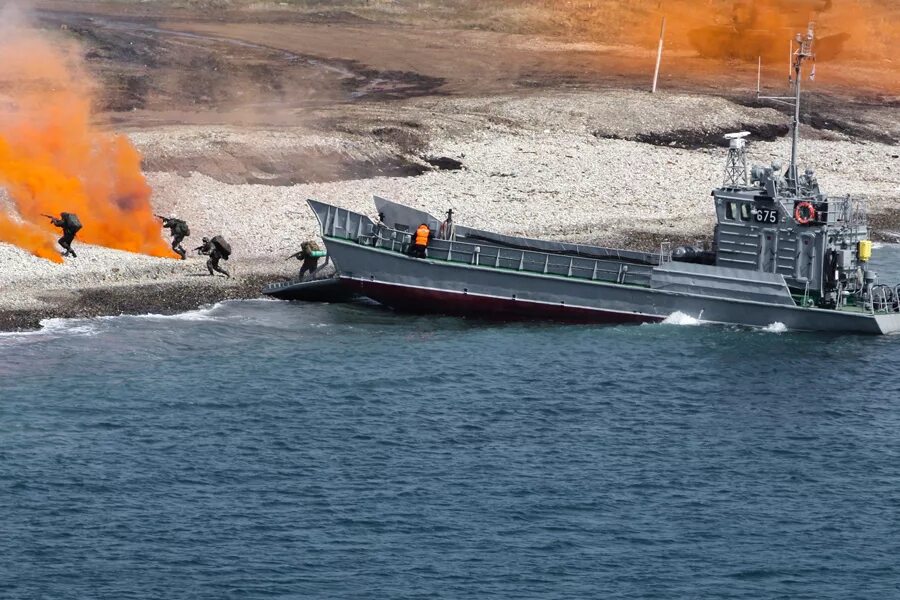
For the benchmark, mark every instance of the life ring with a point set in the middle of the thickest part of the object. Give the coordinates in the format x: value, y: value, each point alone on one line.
x: 804, y: 213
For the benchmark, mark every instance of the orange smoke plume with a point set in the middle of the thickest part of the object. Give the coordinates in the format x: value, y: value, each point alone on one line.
x: 54, y: 158
x: 857, y: 39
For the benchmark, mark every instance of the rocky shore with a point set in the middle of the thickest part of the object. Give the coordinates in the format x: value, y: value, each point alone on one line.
x: 613, y: 168
x: 165, y: 298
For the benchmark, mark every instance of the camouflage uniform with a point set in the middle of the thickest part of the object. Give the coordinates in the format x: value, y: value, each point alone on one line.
x: 310, y: 262
x: 67, y: 238
x: 179, y: 231
x: 215, y: 255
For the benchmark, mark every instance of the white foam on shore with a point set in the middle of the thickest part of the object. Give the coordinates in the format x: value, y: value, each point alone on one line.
x: 200, y: 314
x: 77, y: 326
x: 56, y: 326
x: 90, y: 326
x: 204, y: 313
x: 776, y: 327
x: 680, y: 318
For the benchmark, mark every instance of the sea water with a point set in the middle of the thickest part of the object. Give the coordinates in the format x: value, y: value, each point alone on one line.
x: 264, y: 449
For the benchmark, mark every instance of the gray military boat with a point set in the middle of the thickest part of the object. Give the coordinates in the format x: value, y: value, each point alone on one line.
x: 783, y: 252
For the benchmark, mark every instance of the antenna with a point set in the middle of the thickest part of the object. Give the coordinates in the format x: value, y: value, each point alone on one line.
x: 802, y: 53
x: 736, y: 163
x: 803, y: 45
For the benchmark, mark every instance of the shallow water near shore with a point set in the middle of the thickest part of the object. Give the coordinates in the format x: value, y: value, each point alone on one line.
x: 263, y: 449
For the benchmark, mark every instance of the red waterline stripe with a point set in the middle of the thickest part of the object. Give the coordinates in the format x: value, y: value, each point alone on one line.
x: 425, y: 300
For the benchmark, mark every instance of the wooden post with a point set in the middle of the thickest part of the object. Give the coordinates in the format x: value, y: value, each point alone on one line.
x: 758, y: 74
x: 662, y: 32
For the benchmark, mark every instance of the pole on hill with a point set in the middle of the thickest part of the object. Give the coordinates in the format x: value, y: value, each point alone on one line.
x: 659, y: 50
x: 758, y: 75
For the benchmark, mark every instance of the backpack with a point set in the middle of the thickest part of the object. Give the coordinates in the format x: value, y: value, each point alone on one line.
x: 223, y: 246
x: 71, y: 221
x: 179, y: 227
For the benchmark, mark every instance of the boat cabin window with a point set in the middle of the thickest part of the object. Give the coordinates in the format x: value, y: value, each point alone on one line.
x: 731, y: 211
x: 737, y: 211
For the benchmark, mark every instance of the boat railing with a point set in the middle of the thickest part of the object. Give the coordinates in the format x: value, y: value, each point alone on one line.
x: 851, y: 211
x: 497, y: 257
x: 885, y: 299
x: 342, y: 223
x: 665, y: 252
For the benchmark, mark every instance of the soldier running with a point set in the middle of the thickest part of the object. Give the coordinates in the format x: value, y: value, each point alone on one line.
x: 310, y: 253
x: 179, y: 230
x: 217, y: 249
x: 70, y: 225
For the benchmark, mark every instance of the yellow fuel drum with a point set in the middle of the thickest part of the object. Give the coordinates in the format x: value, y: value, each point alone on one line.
x: 865, y: 250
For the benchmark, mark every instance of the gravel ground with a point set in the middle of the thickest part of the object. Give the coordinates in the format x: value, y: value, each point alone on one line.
x: 544, y: 165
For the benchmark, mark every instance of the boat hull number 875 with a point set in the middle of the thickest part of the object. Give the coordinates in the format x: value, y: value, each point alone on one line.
x: 766, y: 215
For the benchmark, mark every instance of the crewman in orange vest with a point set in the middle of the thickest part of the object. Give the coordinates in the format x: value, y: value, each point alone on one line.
x: 420, y: 243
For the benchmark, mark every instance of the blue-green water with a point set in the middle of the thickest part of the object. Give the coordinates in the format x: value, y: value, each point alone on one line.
x: 273, y: 450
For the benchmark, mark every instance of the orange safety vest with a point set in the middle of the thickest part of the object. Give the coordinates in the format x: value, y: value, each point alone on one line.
x: 422, y: 235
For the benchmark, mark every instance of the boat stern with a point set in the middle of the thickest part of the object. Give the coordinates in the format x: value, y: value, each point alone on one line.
x: 888, y: 324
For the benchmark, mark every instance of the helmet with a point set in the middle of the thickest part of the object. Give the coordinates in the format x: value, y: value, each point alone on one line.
x: 205, y: 240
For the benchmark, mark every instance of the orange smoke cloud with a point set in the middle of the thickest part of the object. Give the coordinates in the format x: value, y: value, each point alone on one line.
x: 54, y: 158
x: 30, y: 237
x: 857, y: 37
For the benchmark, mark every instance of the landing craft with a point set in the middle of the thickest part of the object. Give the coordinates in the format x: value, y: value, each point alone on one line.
x: 783, y: 252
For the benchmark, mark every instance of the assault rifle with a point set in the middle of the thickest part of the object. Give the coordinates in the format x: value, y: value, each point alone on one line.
x: 309, y: 254
x: 51, y: 217
x: 206, y: 249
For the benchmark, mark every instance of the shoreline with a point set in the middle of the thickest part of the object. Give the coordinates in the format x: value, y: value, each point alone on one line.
x: 164, y: 298
x: 556, y: 165
x: 195, y: 290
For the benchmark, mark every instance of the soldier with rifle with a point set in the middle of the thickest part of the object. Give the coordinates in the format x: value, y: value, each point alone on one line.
x: 309, y: 253
x: 179, y: 230
x: 217, y: 249
x: 70, y: 225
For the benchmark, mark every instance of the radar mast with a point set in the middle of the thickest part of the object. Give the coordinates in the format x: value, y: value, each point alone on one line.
x: 736, y: 163
x: 803, y: 52
x: 803, y: 44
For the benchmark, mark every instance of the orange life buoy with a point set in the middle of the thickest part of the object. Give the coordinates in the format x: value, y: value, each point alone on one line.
x: 804, y: 213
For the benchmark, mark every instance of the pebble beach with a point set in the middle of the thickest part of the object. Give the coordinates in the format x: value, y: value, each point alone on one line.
x: 560, y: 165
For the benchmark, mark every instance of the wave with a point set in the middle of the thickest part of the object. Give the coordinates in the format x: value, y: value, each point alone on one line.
x: 680, y: 318
x: 91, y: 325
x: 56, y: 326
x: 204, y: 313
x: 776, y: 327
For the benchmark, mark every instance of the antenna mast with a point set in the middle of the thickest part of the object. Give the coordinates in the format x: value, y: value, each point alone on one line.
x: 803, y: 52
